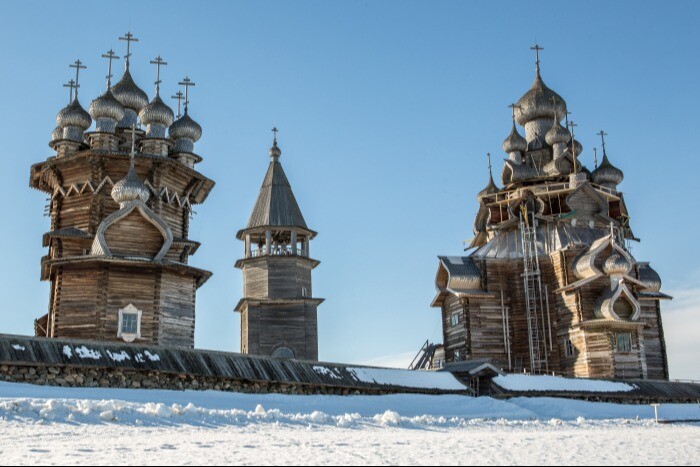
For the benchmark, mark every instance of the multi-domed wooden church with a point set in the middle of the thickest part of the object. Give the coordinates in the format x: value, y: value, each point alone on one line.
x: 120, y: 204
x: 548, y: 284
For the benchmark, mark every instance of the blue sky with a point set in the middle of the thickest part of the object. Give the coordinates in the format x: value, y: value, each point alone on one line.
x: 385, y: 110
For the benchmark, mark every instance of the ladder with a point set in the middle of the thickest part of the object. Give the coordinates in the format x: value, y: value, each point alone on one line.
x: 532, y: 282
x: 423, y: 360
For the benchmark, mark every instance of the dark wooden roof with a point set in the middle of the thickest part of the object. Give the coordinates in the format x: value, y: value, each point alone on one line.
x: 22, y: 350
x: 276, y: 205
x: 645, y: 391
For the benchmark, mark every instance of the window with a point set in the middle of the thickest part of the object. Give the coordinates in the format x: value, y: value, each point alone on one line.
x: 570, y: 350
x: 458, y: 355
x: 454, y: 319
x: 129, y: 323
x: 624, y: 342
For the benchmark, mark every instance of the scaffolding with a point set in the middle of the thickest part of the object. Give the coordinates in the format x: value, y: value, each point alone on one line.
x: 532, y: 281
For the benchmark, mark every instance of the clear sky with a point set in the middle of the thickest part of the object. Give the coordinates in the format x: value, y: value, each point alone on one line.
x: 385, y: 110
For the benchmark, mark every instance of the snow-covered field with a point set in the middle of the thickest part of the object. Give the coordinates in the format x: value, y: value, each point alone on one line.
x: 69, y: 426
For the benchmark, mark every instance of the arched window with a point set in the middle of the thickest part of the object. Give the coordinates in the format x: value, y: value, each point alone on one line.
x: 282, y: 352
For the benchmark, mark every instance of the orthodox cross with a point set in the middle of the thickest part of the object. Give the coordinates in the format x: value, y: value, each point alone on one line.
x: 71, y: 84
x: 110, y: 56
x: 186, y: 83
x: 602, y: 135
x: 554, y: 103
x: 179, y: 96
x: 78, y: 65
x: 274, y: 131
x: 537, y: 49
x: 158, y: 62
x: 572, y: 125
x: 512, y: 107
x: 133, y: 144
x: 129, y: 38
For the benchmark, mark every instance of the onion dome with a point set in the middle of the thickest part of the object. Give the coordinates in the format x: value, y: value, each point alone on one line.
x: 649, y: 277
x: 616, y: 264
x: 557, y: 134
x: 275, y: 151
x: 107, y: 112
x: 514, y: 142
x: 539, y: 102
x: 607, y: 174
x: 185, y: 132
x: 130, y: 188
x: 157, y: 117
x: 56, y: 134
x: 74, y: 120
x: 131, y: 97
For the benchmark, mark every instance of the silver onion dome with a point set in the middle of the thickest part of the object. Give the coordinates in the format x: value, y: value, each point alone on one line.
x: 107, y: 112
x: 185, y: 132
x: 649, y: 277
x: 539, y: 102
x: 607, y: 174
x: 616, y: 264
x: 74, y: 120
x: 130, y: 188
x: 131, y: 97
x: 557, y: 134
x: 74, y: 115
x: 56, y: 134
x: 514, y: 142
x: 275, y: 151
x: 157, y: 117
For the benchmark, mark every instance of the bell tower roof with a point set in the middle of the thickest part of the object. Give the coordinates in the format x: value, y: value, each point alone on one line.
x: 276, y: 205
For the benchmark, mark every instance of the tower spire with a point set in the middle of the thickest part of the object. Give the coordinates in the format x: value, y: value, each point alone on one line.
x: 110, y: 56
x: 488, y: 156
x: 537, y: 49
x: 129, y: 38
x: 158, y: 62
x: 78, y: 65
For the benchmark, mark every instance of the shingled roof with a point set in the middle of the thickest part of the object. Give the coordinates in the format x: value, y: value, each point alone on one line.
x: 276, y: 205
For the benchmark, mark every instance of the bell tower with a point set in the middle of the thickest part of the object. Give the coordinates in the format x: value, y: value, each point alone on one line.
x: 278, y: 311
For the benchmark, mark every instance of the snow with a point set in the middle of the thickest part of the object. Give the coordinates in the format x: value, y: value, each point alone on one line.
x: 322, y: 370
x: 410, y: 379
x: 45, y: 425
x: 119, y: 357
x: 19, y: 347
x: 84, y: 353
x: 67, y: 351
x: 554, y: 383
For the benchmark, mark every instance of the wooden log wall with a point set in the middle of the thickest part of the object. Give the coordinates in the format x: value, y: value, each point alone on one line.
x: 292, y: 325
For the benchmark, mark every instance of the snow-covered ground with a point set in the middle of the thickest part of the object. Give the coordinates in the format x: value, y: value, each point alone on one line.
x: 69, y: 426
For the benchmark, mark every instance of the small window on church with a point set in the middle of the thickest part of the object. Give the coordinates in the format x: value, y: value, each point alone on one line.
x: 458, y: 355
x: 454, y: 319
x: 624, y: 342
x: 570, y: 351
x: 129, y: 323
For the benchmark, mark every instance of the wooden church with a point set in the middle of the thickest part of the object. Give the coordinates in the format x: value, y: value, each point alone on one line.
x: 549, y: 284
x: 278, y: 310
x: 120, y: 204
